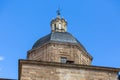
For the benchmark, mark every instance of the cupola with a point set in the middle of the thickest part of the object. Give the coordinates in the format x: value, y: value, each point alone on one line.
x: 58, y: 24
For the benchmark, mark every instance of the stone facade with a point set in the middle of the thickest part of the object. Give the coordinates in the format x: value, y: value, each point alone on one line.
x: 36, y: 70
x: 53, y: 52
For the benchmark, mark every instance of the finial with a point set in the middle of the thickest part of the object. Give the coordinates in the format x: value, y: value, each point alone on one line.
x: 58, y: 11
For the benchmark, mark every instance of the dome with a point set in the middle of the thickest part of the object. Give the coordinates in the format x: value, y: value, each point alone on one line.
x: 58, y: 34
x: 61, y: 37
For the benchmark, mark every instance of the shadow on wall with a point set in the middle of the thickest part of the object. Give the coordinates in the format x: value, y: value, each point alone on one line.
x: 119, y: 77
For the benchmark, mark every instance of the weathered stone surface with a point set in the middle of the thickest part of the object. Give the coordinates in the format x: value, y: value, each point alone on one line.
x: 33, y: 70
x: 54, y: 51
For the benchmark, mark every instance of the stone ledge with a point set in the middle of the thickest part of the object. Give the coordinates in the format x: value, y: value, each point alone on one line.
x: 78, y: 66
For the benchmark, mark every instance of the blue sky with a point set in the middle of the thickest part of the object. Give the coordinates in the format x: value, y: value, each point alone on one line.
x: 95, y: 23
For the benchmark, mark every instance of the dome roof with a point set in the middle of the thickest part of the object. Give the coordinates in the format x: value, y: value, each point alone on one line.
x: 63, y: 37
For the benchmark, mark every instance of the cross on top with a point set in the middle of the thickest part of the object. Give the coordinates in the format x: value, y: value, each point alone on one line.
x: 58, y: 11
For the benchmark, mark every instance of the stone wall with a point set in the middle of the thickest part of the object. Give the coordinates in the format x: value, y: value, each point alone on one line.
x: 54, y: 51
x: 56, y: 71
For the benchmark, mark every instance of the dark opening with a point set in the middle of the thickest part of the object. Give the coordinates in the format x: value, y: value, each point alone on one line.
x: 69, y: 62
x: 64, y: 60
x: 118, y: 77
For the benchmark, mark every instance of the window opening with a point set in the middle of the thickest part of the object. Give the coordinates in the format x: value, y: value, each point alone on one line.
x: 63, y: 59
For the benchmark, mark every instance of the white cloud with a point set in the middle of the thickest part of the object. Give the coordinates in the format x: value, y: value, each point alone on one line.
x: 1, y: 58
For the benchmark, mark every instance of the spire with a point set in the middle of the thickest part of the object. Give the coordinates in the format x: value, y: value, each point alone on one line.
x: 58, y: 24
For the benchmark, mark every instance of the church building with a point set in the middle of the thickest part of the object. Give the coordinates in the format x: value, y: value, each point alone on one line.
x: 60, y: 56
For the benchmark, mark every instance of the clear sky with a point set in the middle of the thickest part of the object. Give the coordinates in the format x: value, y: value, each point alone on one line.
x: 95, y: 23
